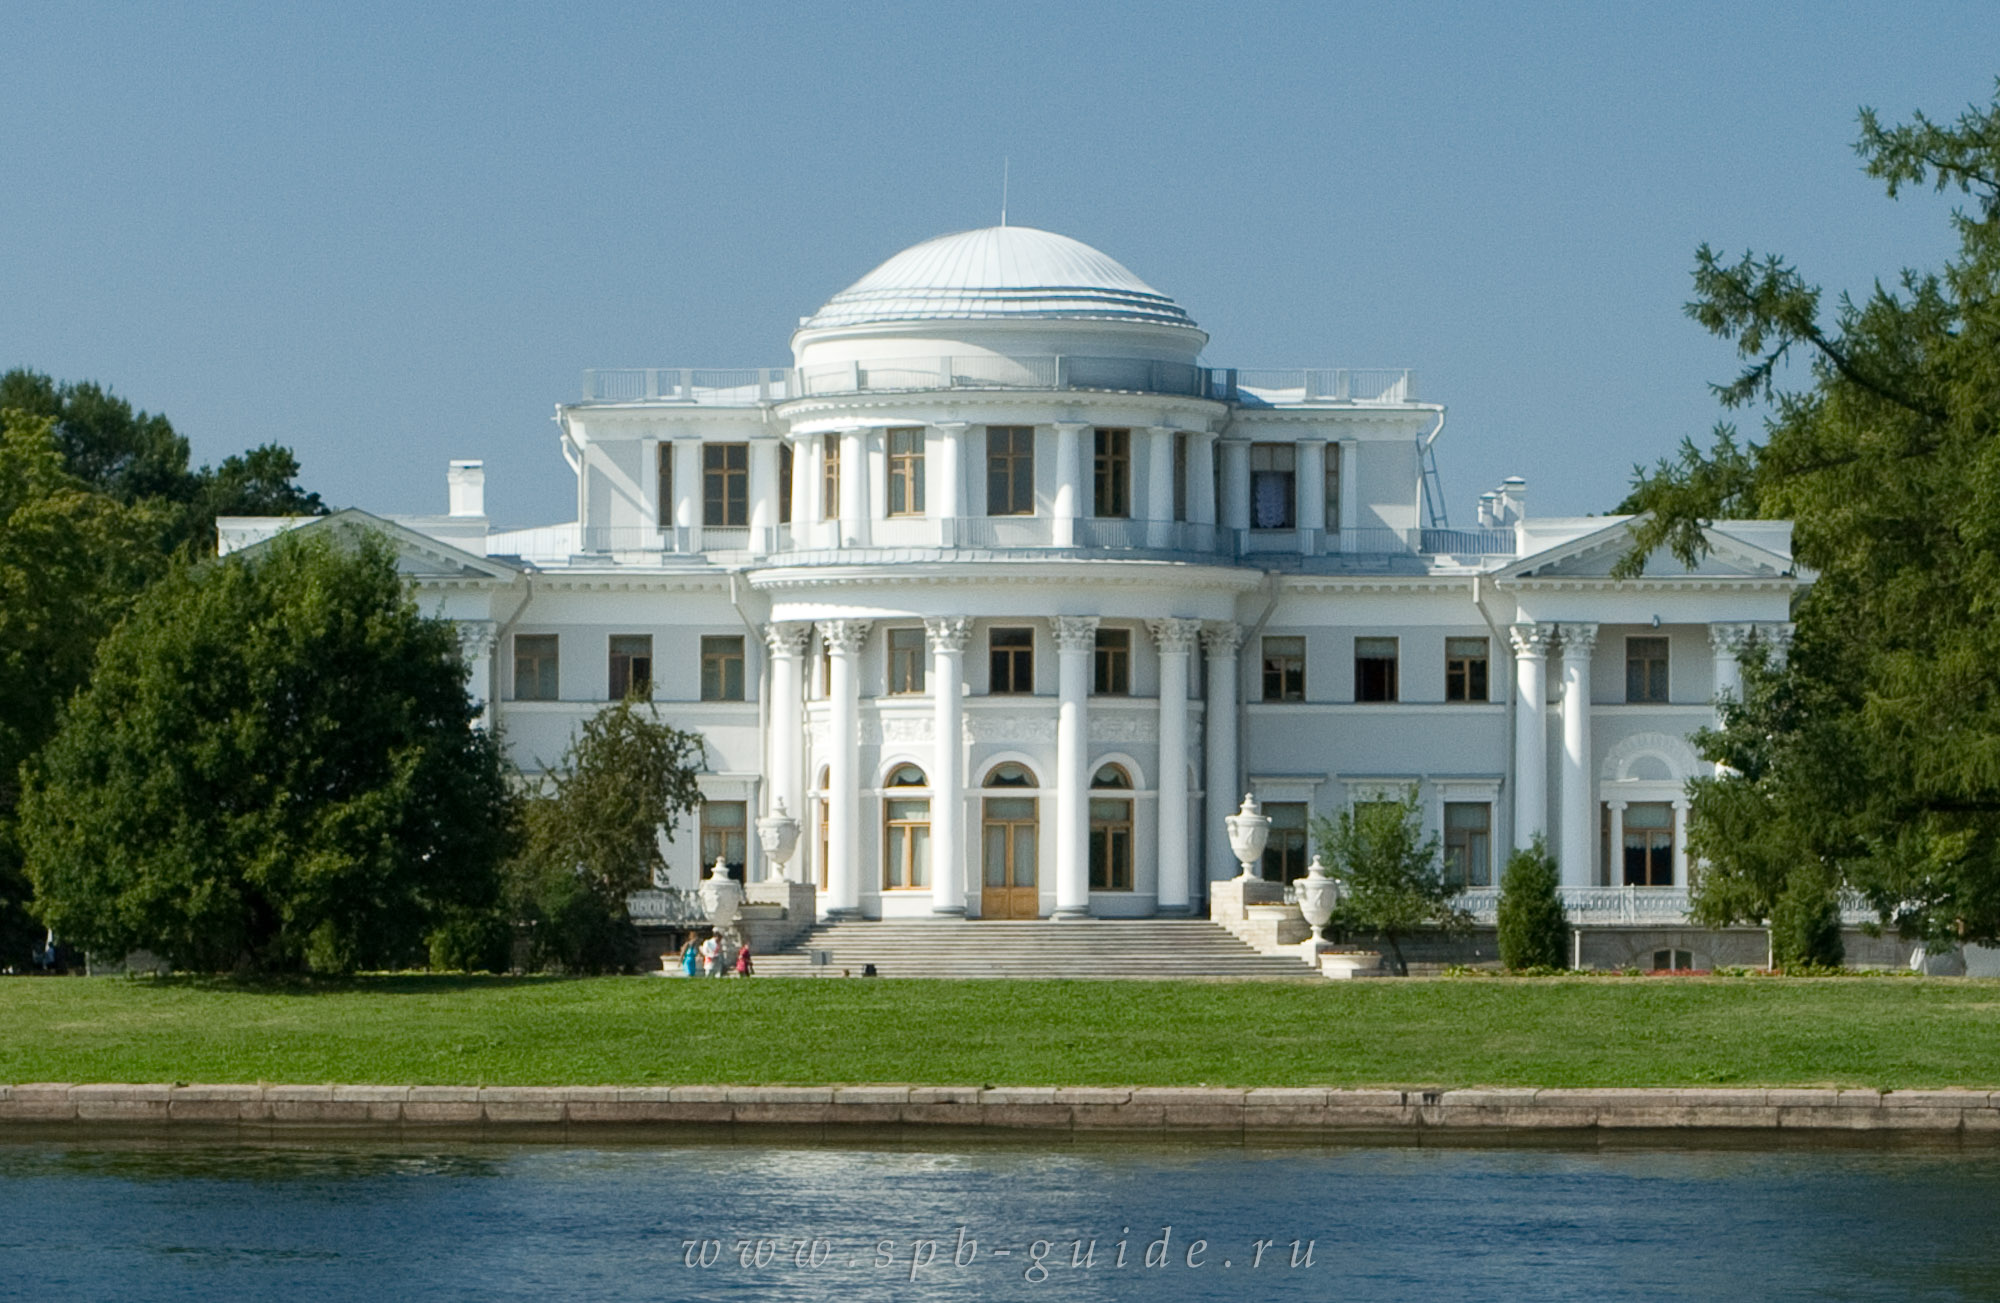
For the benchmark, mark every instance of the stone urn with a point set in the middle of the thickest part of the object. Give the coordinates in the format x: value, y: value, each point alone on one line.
x: 1319, y: 894
x: 721, y: 895
x: 1249, y: 832
x: 779, y: 835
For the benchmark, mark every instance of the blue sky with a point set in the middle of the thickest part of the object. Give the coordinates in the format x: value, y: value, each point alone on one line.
x: 388, y: 235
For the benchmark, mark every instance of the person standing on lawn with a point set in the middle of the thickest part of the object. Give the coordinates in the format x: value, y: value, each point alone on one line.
x: 743, y: 965
x: 690, y: 955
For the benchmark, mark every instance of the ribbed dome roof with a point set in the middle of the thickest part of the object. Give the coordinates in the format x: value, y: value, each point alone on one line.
x: 999, y: 272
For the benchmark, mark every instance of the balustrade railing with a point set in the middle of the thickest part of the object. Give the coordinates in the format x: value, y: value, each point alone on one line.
x: 666, y: 907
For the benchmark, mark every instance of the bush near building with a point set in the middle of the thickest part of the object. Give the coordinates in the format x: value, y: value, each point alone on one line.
x: 1533, y: 931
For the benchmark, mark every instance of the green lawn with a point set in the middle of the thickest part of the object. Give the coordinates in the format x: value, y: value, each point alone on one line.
x: 1883, y: 1032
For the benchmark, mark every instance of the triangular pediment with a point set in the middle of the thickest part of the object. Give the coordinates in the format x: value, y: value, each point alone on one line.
x: 1595, y: 554
x: 418, y: 555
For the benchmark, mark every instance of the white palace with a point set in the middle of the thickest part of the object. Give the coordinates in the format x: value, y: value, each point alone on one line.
x: 1009, y: 598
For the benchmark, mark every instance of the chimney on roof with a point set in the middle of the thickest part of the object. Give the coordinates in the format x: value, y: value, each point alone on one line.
x: 1510, y: 505
x: 468, y: 488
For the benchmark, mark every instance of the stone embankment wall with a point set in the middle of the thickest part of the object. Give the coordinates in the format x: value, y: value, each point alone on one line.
x: 498, y: 1112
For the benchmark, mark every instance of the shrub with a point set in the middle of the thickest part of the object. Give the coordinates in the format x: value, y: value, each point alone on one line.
x: 1533, y: 931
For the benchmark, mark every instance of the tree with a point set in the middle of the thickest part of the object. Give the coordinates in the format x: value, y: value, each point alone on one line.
x: 1870, y: 760
x: 273, y: 768
x: 137, y: 457
x: 71, y: 562
x: 595, y: 839
x: 1532, y: 929
x: 1395, y: 879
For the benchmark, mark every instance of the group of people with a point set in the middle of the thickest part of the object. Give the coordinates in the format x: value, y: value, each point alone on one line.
x: 711, y: 957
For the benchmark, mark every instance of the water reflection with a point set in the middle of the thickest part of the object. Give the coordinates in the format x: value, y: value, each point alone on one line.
x: 1108, y: 1220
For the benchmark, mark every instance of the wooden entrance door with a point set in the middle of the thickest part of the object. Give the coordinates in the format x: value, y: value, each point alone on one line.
x: 1010, y: 828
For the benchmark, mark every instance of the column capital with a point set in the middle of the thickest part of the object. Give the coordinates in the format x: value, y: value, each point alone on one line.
x: 1077, y: 426
x: 948, y: 633
x: 1220, y: 638
x: 476, y: 637
x: 787, y: 638
x: 956, y: 427
x: 1174, y: 634
x: 845, y: 637
x: 1578, y: 639
x: 1074, y: 633
x: 1531, y: 640
x: 1158, y: 430
x: 1777, y: 635
x: 1730, y: 639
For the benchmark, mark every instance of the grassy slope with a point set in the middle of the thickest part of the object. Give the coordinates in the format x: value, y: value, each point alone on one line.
x: 436, y: 1030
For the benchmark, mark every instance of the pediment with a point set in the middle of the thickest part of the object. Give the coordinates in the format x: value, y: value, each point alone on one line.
x: 1596, y: 554
x: 418, y: 555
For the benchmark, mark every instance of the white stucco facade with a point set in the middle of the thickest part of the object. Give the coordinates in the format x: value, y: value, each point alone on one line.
x: 1009, y: 598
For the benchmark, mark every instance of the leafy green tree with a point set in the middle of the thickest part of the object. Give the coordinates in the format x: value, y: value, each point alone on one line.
x: 273, y: 768
x: 594, y: 839
x: 1805, y: 923
x: 1533, y: 931
x: 1871, y: 758
x: 71, y: 562
x: 136, y: 457
x: 1394, y: 876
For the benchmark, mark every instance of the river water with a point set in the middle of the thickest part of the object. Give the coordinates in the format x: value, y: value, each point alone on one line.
x: 896, y: 1220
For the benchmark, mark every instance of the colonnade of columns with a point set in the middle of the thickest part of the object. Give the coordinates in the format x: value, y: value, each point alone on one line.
x: 952, y: 851
x: 1576, y: 834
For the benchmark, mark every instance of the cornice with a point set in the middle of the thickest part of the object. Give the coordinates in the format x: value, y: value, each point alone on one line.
x: 833, y: 404
x: 1662, y: 584
x: 1100, y: 574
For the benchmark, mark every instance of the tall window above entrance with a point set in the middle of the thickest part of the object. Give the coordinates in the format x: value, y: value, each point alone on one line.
x: 1273, y: 475
x: 906, y: 472
x: 1646, y: 669
x: 725, y: 485
x: 1112, y: 483
x: 1113, y: 676
x: 1010, y: 470
x: 906, y: 661
x: 1010, y: 661
x: 1648, y: 853
x: 829, y: 477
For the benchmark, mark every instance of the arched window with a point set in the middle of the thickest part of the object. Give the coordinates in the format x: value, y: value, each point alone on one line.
x: 1009, y: 830
x: 1110, y: 831
x: 1010, y: 776
x: 906, y: 834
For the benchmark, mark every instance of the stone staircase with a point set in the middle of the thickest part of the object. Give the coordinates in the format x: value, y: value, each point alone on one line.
x: 1155, y: 949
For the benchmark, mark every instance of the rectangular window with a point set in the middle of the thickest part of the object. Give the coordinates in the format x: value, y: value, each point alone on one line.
x: 1285, y: 853
x: 1649, y: 844
x: 784, y: 484
x: 1110, y: 845
x: 1284, y: 669
x: 1215, y: 479
x: 906, y: 661
x: 1333, y: 488
x: 829, y: 477
x: 725, y: 485
x: 1111, y: 485
x: 665, y: 484
x: 1646, y: 669
x: 1011, y: 661
x: 535, y: 671
x: 906, y: 472
x: 631, y: 666
x: 1180, y: 477
x: 723, y: 825
x: 1375, y: 669
x: 722, y: 668
x: 1010, y: 470
x: 1273, y: 478
x: 1468, y: 843
x: 1114, y: 663
x: 1465, y: 669
x: 906, y: 844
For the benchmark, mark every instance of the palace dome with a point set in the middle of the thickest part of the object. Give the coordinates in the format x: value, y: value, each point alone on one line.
x: 999, y: 273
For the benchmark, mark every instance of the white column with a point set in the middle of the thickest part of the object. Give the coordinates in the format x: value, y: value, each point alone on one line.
x: 1311, y: 489
x: 1159, y: 485
x: 805, y: 461
x: 1201, y: 478
x: 687, y: 491
x: 843, y: 795
x: 1220, y: 639
x: 1175, y: 638
x: 1614, y: 870
x: 1579, y: 807
x: 475, y: 644
x: 787, y: 645
x: 1681, y: 842
x: 948, y: 858
x: 1076, y: 644
x: 763, y: 495
x: 1236, y: 484
x: 1531, y: 730
x: 1069, y: 497
x: 1350, y: 486
x: 944, y: 488
x: 854, y: 488
x: 1728, y: 642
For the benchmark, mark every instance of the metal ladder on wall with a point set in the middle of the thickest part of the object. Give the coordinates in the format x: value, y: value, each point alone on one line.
x: 1433, y: 489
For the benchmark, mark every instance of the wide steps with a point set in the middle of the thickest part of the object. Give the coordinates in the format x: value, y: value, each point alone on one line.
x: 1145, y: 949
